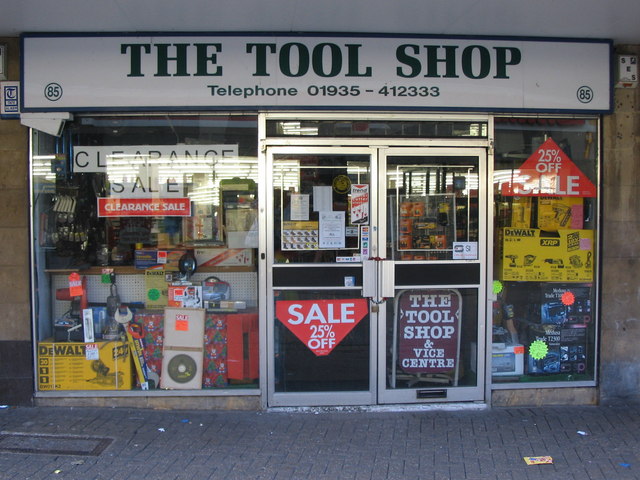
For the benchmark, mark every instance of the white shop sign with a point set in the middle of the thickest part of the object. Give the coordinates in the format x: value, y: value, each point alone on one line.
x: 116, y: 72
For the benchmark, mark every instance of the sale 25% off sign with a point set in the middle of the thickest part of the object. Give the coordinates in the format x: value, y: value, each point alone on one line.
x: 321, y: 324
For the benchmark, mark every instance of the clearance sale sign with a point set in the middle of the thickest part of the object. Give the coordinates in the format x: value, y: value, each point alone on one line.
x: 144, y: 207
x: 321, y: 324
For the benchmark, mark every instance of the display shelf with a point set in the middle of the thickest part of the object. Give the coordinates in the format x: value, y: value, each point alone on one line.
x: 130, y: 270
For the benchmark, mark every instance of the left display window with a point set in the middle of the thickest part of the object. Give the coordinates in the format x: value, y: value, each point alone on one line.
x: 145, y: 234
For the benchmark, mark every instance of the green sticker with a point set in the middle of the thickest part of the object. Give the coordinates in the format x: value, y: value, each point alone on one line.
x: 105, y: 278
x: 538, y: 350
x: 153, y: 294
x: 497, y: 286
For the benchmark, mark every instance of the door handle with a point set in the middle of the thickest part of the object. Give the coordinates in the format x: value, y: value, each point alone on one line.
x: 378, y: 282
x: 369, y: 278
x: 387, y: 278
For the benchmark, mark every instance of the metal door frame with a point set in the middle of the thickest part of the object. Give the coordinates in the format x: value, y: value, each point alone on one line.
x: 375, y: 146
x: 458, y: 393
x: 276, y: 399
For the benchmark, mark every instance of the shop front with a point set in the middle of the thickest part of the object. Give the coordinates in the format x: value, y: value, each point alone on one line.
x: 270, y: 221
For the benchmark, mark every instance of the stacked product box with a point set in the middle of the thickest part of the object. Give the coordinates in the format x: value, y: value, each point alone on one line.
x: 84, y: 366
x: 215, y: 345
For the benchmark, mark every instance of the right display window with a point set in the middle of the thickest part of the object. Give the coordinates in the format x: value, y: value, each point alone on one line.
x: 545, y: 247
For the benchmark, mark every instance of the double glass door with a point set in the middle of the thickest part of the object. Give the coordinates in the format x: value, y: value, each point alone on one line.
x: 375, y: 279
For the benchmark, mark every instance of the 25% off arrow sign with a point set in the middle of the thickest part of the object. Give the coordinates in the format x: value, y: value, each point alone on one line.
x: 321, y: 324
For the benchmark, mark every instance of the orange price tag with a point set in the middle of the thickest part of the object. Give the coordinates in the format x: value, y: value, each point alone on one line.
x: 75, y: 285
x: 182, y: 323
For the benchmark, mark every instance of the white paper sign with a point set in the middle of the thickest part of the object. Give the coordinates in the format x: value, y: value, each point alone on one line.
x: 465, y: 250
x: 87, y: 324
x: 332, y: 230
x: 91, y: 351
x: 322, y: 199
x: 299, y: 207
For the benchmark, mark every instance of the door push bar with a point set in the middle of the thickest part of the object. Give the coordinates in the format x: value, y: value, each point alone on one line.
x: 378, y: 282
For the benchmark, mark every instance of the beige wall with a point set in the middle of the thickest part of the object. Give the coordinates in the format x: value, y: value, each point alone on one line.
x: 620, y: 308
x: 15, y: 323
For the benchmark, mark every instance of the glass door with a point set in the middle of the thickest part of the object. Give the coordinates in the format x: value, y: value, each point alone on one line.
x: 375, y: 268
x: 431, y: 310
x: 321, y: 334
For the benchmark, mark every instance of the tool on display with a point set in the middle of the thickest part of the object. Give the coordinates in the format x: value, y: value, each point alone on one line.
x: 69, y: 326
x: 112, y: 331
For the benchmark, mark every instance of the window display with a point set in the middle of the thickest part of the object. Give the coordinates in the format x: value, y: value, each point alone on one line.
x: 145, y: 231
x: 545, y: 177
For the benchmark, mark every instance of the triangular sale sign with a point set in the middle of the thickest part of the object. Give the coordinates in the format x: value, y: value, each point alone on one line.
x: 549, y: 172
x: 321, y: 324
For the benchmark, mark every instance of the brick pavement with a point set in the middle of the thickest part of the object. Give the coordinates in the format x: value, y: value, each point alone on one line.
x: 357, y: 445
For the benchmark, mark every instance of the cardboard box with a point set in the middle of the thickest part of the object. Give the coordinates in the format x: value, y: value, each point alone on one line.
x: 170, y: 259
x: 528, y: 254
x: 183, y: 348
x: 574, y: 310
x: 521, y: 212
x: 224, y: 257
x: 567, y: 349
x: 550, y: 336
x: 242, y: 346
x: 555, y: 213
x: 145, y: 259
x: 84, y: 366
x: 156, y: 287
x: 214, y: 374
x: 507, y: 360
x: 185, y: 296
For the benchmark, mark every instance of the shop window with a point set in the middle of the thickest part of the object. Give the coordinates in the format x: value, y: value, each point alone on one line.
x: 545, y: 187
x: 145, y: 252
x: 377, y: 128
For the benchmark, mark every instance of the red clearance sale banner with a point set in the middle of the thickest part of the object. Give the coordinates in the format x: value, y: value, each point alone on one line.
x: 549, y: 172
x: 321, y: 324
x: 144, y: 207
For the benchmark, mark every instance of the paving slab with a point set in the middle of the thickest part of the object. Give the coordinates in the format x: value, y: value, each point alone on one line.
x: 585, y: 443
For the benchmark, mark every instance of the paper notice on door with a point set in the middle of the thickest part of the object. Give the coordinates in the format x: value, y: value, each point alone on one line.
x: 359, y: 204
x: 300, y: 207
x: 332, y: 230
x: 322, y: 199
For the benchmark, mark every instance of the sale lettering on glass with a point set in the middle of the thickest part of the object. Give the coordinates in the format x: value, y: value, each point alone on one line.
x: 549, y: 171
x: 321, y: 324
x: 429, y: 331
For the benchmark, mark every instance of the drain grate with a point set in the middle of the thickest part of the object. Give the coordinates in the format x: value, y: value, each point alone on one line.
x: 11, y: 442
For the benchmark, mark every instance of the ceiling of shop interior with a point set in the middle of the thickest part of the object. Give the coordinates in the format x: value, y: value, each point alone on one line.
x: 614, y: 19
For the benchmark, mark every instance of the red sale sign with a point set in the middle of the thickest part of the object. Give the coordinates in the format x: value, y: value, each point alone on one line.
x: 144, y: 207
x: 321, y: 324
x: 549, y: 171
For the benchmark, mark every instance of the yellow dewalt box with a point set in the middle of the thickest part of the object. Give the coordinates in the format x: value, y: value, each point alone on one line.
x: 556, y: 213
x: 521, y: 212
x: 531, y: 255
x: 84, y: 366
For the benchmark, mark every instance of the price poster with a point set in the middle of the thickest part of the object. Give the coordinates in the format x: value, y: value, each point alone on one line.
x: 321, y: 324
x: 359, y: 204
x: 428, y: 330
